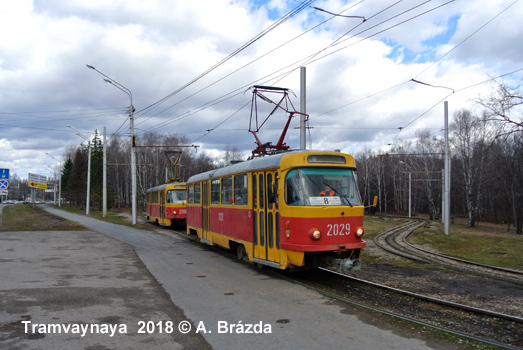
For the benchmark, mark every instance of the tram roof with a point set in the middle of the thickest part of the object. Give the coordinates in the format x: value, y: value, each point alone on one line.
x: 163, y: 187
x: 266, y: 162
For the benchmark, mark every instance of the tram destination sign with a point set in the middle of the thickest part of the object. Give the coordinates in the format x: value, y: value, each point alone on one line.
x: 37, y: 181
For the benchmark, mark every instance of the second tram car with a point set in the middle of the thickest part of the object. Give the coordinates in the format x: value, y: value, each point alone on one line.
x: 166, y: 204
x: 292, y: 210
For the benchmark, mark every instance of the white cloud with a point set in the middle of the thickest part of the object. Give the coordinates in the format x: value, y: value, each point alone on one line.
x: 155, y: 47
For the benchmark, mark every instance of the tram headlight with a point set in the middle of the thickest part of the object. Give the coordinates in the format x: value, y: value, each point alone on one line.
x: 174, y: 212
x: 315, y: 233
x: 360, y: 232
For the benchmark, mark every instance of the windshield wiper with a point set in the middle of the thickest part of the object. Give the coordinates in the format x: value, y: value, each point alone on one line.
x: 338, y: 192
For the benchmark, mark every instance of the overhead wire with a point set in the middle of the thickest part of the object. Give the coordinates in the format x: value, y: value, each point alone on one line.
x: 312, y: 56
x: 286, y: 17
x: 413, y: 79
x: 309, y: 58
x: 315, y: 54
x: 251, y: 62
x: 453, y: 91
x: 464, y: 40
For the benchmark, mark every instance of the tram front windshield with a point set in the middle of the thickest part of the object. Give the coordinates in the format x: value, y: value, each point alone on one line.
x: 176, y: 196
x: 321, y: 186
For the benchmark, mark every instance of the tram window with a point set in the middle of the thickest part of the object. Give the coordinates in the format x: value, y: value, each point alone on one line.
x: 227, y: 190
x: 255, y: 228
x: 321, y: 186
x: 190, y: 194
x: 276, y: 198
x: 254, y: 195
x: 240, y: 189
x: 270, y: 192
x: 215, y: 191
x: 176, y: 196
x: 261, y: 192
x: 197, y: 193
x: 270, y: 230
x: 293, y: 193
x: 262, y: 229
x: 278, y: 230
x: 155, y: 197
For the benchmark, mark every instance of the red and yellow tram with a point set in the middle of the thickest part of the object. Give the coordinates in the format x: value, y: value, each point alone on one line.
x: 166, y: 204
x: 299, y: 209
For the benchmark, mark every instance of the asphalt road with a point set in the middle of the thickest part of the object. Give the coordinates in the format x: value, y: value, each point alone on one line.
x: 121, y: 276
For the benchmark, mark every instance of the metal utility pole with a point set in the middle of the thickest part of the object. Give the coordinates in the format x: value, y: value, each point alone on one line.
x: 447, y: 171
x: 303, y: 108
x: 104, y: 189
x: 133, y: 143
x: 410, y: 195
x: 88, y: 179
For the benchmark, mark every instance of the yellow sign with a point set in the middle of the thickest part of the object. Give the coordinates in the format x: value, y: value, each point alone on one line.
x: 37, y: 181
x: 38, y: 185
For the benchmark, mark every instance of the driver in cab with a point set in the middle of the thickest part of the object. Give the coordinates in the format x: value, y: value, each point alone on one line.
x: 327, y: 192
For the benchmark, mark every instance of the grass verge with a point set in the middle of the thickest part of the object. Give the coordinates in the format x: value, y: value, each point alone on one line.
x: 115, y: 216
x: 486, y: 243
x: 23, y: 217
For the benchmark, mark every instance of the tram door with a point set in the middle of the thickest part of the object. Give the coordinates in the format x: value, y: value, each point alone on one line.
x: 162, y: 207
x: 265, y: 216
x: 205, y: 210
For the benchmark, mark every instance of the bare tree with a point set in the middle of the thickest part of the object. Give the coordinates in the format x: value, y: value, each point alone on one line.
x: 504, y: 107
x: 428, y: 165
x: 470, y: 137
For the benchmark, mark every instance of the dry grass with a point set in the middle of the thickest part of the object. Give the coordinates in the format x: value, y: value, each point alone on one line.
x: 23, y: 217
x: 486, y: 243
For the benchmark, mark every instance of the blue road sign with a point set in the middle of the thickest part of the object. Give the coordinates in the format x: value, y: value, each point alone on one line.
x: 4, y: 173
x: 4, y: 184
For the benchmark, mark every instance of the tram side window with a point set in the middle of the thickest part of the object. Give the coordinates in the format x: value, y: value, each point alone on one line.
x: 254, y: 192
x: 215, y: 191
x: 240, y: 190
x: 190, y: 194
x: 197, y: 193
x: 155, y: 198
x: 227, y: 190
x: 293, y: 192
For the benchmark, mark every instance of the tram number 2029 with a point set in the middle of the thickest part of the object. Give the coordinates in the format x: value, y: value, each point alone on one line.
x: 338, y: 229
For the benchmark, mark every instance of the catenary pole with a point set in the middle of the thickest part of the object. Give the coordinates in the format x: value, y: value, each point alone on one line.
x: 303, y: 108
x: 447, y: 170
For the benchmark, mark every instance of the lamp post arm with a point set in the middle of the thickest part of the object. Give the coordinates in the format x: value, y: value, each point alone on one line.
x: 112, y: 81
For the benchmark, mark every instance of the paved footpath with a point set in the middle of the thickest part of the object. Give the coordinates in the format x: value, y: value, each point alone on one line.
x: 126, y: 275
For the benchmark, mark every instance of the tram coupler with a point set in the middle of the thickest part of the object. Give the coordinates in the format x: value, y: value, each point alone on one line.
x: 348, y: 264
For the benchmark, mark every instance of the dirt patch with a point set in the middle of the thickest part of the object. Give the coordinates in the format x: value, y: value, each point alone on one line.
x: 459, y: 287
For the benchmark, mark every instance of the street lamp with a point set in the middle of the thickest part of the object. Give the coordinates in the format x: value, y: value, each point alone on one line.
x: 59, y: 181
x: 87, y: 202
x: 133, y: 149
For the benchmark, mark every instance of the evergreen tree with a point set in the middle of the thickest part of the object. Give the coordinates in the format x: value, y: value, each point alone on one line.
x: 67, y: 170
x: 96, y: 191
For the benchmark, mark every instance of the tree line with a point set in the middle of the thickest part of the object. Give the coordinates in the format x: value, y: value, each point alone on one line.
x: 157, y: 158
x: 486, y: 166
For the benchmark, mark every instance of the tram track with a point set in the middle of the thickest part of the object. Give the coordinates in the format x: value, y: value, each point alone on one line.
x: 395, y: 242
x: 480, y: 325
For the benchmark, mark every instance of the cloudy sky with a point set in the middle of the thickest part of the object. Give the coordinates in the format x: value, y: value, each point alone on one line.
x: 189, y: 65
